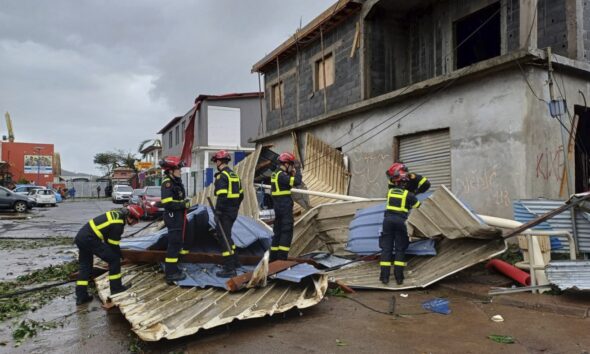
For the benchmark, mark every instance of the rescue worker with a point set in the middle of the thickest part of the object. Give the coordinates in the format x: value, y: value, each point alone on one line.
x: 101, y: 236
x: 395, y: 235
x: 281, y: 182
x: 175, y: 204
x: 416, y: 184
x: 229, y: 193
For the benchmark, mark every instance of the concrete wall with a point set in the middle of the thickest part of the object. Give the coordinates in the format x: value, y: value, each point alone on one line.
x: 301, y: 102
x: 176, y: 149
x: 552, y: 26
x: 249, y: 115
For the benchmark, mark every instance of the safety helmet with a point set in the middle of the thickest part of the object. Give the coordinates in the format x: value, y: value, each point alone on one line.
x: 287, y: 157
x: 171, y: 163
x: 135, y: 211
x: 221, y: 155
x: 396, y: 169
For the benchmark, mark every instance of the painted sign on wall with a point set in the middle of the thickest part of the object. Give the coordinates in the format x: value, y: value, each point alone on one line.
x: 38, y: 164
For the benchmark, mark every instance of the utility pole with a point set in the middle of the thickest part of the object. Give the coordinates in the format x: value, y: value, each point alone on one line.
x: 38, y: 150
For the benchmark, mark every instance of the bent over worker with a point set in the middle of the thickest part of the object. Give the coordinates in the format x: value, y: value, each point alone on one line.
x: 229, y: 193
x: 101, y: 236
x: 395, y: 234
x: 281, y: 182
x: 175, y: 205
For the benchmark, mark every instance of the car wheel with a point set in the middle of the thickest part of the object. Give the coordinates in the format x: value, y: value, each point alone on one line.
x: 20, y: 207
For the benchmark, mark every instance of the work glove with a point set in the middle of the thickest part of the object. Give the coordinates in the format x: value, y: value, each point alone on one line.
x: 187, y: 203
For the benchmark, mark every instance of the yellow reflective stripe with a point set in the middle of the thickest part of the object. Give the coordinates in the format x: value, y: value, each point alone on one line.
x: 292, y: 181
x: 82, y: 282
x: 233, y: 247
x: 171, y: 260
x: 231, y: 180
x: 402, y: 197
x: 283, y: 248
x: 113, y: 242
x: 166, y: 180
x: 416, y: 205
x: 422, y: 181
x: 274, y: 248
x: 167, y: 200
x: 385, y: 264
x: 221, y: 191
x: 398, y: 263
x: 115, y: 276
x: 95, y: 229
x: 227, y: 253
x: 184, y: 251
x: 274, y: 179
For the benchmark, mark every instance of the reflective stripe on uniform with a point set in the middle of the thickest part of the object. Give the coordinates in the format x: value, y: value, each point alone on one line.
x: 115, y: 276
x: 171, y: 260
x: 232, y: 180
x: 221, y: 191
x: 402, y: 198
x: 274, y: 248
x: 398, y: 263
x: 416, y: 205
x: 167, y: 200
x: 82, y: 282
x: 184, y: 252
x: 292, y: 181
x: 227, y: 253
x: 233, y: 247
x: 422, y: 181
x: 113, y: 242
x: 385, y: 264
x: 274, y: 180
x: 112, y: 218
x: 283, y: 248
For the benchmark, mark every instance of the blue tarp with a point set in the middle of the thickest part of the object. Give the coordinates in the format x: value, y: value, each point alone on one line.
x: 203, y: 275
x: 365, y: 228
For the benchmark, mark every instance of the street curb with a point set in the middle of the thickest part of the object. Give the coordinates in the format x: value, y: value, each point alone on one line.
x: 565, y: 310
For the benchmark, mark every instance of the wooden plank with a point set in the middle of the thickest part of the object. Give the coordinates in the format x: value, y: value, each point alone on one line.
x: 237, y: 283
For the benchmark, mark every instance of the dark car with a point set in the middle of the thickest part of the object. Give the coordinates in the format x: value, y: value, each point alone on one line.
x: 10, y: 200
x: 151, y: 201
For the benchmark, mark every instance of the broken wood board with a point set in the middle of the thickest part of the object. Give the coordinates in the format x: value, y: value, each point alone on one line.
x: 238, y: 282
x: 157, y: 310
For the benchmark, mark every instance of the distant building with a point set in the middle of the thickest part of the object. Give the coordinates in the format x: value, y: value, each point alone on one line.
x: 32, y: 162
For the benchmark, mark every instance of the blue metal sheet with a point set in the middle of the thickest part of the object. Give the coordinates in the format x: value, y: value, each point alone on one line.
x: 296, y: 273
x: 203, y: 275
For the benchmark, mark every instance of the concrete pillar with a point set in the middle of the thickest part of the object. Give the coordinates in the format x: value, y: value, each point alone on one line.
x: 574, y: 13
x: 528, y: 24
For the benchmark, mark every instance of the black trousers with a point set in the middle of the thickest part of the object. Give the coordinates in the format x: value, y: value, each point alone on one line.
x: 227, y: 217
x: 88, y: 246
x: 174, y: 221
x: 394, y: 239
x: 282, y: 227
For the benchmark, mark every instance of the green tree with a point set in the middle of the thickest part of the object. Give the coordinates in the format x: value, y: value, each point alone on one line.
x: 106, y: 161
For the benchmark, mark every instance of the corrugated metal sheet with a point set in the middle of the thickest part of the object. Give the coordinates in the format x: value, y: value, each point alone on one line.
x: 444, y: 214
x: 156, y: 310
x: 428, y: 154
x: 562, y: 221
x: 245, y: 169
x: 453, y: 256
x: 297, y: 273
x: 569, y: 274
x: 324, y: 170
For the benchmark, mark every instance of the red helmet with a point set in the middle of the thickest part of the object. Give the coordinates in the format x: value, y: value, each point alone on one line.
x: 135, y: 211
x: 171, y: 163
x: 396, y: 170
x: 287, y: 157
x: 221, y: 155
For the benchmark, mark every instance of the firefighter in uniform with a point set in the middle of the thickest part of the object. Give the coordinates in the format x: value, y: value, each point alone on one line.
x: 395, y: 235
x: 175, y: 204
x: 101, y: 236
x: 229, y: 193
x: 416, y: 184
x: 281, y: 182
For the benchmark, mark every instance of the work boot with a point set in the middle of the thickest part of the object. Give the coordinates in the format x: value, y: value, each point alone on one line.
x: 398, y: 272
x: 282, y: 255
x: 175, y: 277
x: 228, y: 271
x: 274, y: 255
x: 384, y: 277
x: 117, y: 287
x: 82, y: 296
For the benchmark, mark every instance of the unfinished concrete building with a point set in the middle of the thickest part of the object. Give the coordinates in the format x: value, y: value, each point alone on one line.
x: 457, y: 89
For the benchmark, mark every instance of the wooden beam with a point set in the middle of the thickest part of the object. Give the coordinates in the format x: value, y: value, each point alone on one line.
x: 237, y: 283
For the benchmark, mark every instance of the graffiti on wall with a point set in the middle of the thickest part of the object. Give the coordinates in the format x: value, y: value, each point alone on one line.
x: 368, y: 173
x: 483, y: 184
x: 550, y: 164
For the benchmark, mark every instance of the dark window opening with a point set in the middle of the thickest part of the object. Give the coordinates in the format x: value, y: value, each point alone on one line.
x: 177, y: 135
x: 582, y: 149
x: 170, y: 139
x: 476, y: 44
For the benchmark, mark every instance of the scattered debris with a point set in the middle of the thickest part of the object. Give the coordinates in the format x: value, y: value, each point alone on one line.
x: 501, y: 339
x: 569, y: 274
x: 437, y: 305
x: 340, y: 343
x: 497, y: 318
x: 28, y: 329
x: 510, y: 271
x: 16, y: 243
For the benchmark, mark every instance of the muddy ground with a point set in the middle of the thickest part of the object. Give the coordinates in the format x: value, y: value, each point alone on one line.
x: 337, y: 325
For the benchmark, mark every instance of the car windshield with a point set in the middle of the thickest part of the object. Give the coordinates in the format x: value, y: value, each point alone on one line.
x: 4, y: 190
x: 124, y: 189
x: 138, y: 192
x: 153, y: 191
x: 44, y: 192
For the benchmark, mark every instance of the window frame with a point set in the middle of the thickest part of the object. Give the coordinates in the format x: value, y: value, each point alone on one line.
x: 318, y: 73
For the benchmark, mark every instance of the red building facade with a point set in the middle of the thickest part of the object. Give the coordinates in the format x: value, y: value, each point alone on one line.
x: 30, y: 161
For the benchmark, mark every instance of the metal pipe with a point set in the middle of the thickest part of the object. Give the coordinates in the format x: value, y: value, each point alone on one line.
x: 320, y: 194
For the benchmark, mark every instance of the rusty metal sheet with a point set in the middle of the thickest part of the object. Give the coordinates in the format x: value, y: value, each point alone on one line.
x: 156, y: 310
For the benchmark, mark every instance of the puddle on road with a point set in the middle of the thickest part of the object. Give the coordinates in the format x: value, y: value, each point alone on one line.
x: 15, y: 262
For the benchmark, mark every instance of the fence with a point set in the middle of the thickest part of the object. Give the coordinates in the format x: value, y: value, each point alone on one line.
x: 87, y: 189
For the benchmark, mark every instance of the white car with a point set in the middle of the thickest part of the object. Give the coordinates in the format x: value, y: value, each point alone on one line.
x: 121, y: 193
x: 43, y: 197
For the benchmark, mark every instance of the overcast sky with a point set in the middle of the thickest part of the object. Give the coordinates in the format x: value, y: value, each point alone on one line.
x: 92, y: 76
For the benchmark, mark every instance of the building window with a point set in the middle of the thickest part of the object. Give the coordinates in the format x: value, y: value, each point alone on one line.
x: 170, y: 139
x: 477, y: 36
x: 177, y: 135
x: 324, y: 71
x: 278, y: 95
x: 183, y: 128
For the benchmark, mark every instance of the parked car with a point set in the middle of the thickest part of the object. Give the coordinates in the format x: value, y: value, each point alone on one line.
x: 43, y: 197
x: 121, y: 193
x: 25, y: 189
x: 58, y: 197
x: 12, y: 200
x: 151, y: 202
x: 136, y: 196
